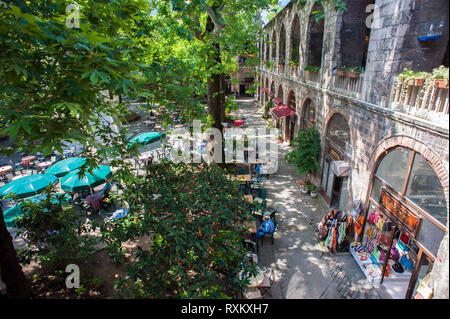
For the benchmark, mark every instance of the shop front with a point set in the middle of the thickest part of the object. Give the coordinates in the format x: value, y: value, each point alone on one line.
x: 404, y: 224
x: 334, y: 183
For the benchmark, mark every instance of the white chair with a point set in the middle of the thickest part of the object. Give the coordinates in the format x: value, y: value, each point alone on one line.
x: 252, y: 293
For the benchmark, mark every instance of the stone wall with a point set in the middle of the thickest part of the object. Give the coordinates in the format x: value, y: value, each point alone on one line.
x: 374, y: 126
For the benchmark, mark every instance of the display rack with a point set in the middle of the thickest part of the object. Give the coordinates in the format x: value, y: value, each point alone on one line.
x: 374, y: 281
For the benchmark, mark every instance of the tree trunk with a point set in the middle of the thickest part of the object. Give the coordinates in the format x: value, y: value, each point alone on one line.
x: 17, y: 285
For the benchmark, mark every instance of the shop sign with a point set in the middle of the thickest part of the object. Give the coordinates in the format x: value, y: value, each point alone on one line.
x: 400, y: 212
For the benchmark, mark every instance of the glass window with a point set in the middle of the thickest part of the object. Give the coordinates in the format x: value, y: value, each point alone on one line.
x: 425, y: 190
x: 339, y: 132
x: 330, y: 182
x: 430, y: 236
x: 324, y: 173
x: 376, y: 190
x: 309, y: 115
x: 394, y: 167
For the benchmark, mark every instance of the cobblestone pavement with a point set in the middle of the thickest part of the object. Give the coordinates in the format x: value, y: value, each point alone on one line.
x: 303, y: 268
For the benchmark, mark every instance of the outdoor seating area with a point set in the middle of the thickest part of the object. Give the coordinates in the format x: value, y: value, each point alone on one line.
x: 89, y: 194
x: 253, y: 191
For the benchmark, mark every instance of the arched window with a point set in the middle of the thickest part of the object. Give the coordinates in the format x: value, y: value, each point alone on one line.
x: 315, y: 37
x: 291, y: 100
x: 295, y: 41
x: 282, y: 49
x: 355, y: 34
x: 410, y: 178
x: 267, y: 56
x: 274, y: 46
x: 309, y: 115
x: 280, y: 92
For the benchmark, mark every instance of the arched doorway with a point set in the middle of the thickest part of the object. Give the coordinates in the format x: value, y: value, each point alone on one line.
x: 291, y: 119
x: 408, y: 198
x: 315, y: 38
x: 334, y: 185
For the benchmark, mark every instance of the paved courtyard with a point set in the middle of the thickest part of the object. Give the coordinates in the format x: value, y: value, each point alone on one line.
x: 303, y: 268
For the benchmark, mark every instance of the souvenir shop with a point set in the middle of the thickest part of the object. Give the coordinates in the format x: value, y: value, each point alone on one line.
x: 336, y: 230
x: 403, y: 225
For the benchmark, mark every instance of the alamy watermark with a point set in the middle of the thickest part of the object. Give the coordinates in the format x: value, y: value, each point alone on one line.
x: 236, y: 145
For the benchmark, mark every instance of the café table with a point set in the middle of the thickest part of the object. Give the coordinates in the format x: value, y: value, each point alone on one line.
x: 244, y: 178
x: 5, y: 170
x: 254, y: 280
x: 27, y: 160
x: 251, y: 226
x: 45, y: 165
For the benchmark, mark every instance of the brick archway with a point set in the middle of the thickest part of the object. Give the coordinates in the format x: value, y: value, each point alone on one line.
x: 344, y: 113
x: 395, y: 141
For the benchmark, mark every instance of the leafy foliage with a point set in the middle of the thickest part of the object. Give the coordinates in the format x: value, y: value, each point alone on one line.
x: 194, y: 215
x: 306, y: 153
x: 55, y: 233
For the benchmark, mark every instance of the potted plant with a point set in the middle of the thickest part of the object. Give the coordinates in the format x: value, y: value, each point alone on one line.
x: 440, y: 77
x: 413, y: 78
x: 293, y: 64
x: 312, y: 68
x: 341, y: 71
x: 313, y: 190
x: 304, y: 186
x: 354, y: 72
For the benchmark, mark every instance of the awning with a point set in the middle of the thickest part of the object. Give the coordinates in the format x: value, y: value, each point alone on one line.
x: 278, y: 100
x: 281, y: 111
x: 340, y: 168
x: 263, y: 90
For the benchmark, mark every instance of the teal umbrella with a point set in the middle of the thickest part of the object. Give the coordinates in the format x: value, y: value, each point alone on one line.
x: 74, y: 183
x: 28, y: 185
x: 65, y: 166
x: 15, y: 211
x: 147, y: 138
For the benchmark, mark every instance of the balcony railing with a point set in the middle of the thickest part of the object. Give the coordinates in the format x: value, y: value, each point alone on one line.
x: 312, y: 76
x: 281, y: 68
x: 427, y: 100
x: 348, y: 84
x: 292, y: 71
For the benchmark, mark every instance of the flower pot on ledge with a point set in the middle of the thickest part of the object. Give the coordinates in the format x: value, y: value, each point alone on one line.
x: 353, y: 74
x: 440, y: 83
x: 416, y: 82
x: 313, y: 194
x: 341, y: 72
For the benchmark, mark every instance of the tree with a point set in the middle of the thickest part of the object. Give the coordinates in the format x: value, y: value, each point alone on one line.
x: 306, y: 152
x: 195, y: 216
x: 51, y: 83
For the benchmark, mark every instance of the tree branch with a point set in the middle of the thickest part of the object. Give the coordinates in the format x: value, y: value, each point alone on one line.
x: 215, y: 19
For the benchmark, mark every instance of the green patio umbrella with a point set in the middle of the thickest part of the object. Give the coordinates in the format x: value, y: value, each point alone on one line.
x: 28, y: 185
x: 147, y: 138
x: 15, y: 211
x: 73, y: 183
x: 65, y: 166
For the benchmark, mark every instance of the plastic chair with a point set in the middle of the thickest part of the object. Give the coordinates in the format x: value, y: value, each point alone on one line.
x: 252, y: 293
x: 269, y: 235
x: 262, y: 193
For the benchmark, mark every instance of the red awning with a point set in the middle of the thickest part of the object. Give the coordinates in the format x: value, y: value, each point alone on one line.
x: 281, y: 111
x: 263, y: 90
x: 278, y: 100
x: 271, y: 94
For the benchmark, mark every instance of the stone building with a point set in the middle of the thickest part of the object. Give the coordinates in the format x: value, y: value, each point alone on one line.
x: 383, y: 141
x: 242, y: 80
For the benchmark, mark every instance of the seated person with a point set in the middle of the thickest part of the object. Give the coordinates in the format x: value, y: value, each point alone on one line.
x: 258, y: 169
x: 106, y: 189
x: 267, y: 226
